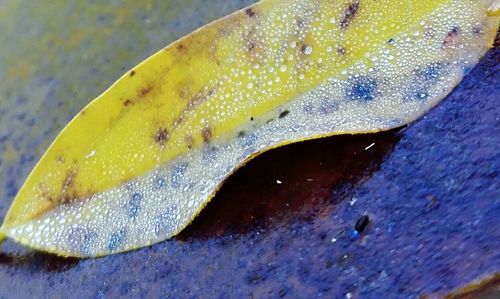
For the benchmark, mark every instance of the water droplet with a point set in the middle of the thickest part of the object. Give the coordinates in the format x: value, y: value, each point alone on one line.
x: 90, y: 155
x: 307, y: 49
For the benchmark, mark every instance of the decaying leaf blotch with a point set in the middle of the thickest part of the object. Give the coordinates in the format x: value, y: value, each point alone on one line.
x: 141, y: 160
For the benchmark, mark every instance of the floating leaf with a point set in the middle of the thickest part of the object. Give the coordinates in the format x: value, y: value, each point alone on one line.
x: 138, y: 163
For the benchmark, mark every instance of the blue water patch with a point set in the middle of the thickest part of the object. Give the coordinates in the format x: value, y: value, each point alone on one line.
x: 164, y: 220
x: 430, y: 73
x: 159, y: 182
x: 422, y: 82
x: 117, y: 239
x: 249, y: 140
x: 178, y: 172
x: 81, y: 240
x: 134, y: 205
x: 327, y: 106
x: 363, y: 89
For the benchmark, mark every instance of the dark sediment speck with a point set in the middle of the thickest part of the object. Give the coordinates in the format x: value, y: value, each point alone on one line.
x: 284, y: 113
x: 362, y: 223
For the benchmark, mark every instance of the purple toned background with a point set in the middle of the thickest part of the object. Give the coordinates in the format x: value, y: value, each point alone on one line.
x: 431, y: 190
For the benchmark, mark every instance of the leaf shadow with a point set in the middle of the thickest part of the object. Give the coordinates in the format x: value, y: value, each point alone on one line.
x: 298, y: 182
x: 16, y: 256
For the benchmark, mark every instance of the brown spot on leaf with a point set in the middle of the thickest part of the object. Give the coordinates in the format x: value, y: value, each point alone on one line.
x: 68, y: 198
x: 184, y: 89
x: 180, y: 47
x: 349, y: 14
x: 144, y: 91
x: 161, y: 136
x: 300, y: 23
x: 68, y: 181
x: 250, y: 12
x: 451, y: 36
x: 132, y: 73
x: 127, y: 102
x: 60, y: 159
x: 189, y: 141
x: 250, y: 46
x: 195, y: 101
x: 341, y: 51
x: 254, y: 46
x: 206, y: 133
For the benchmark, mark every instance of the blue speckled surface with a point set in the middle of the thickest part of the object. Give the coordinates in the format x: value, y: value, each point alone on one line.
x: 431, y: 190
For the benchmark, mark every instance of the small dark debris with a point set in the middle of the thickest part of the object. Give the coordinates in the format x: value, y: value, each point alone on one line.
x: 329, y: 263
x: 282, y: 292
x: 132, y: 73
x: 455, y: 30
x: 256, y: 277
x: 362, y: 223
x: 432, y: 204
x: 284, y: 114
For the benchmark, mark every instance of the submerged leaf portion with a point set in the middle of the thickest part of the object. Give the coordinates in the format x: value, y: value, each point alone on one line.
x: 138, y: 164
